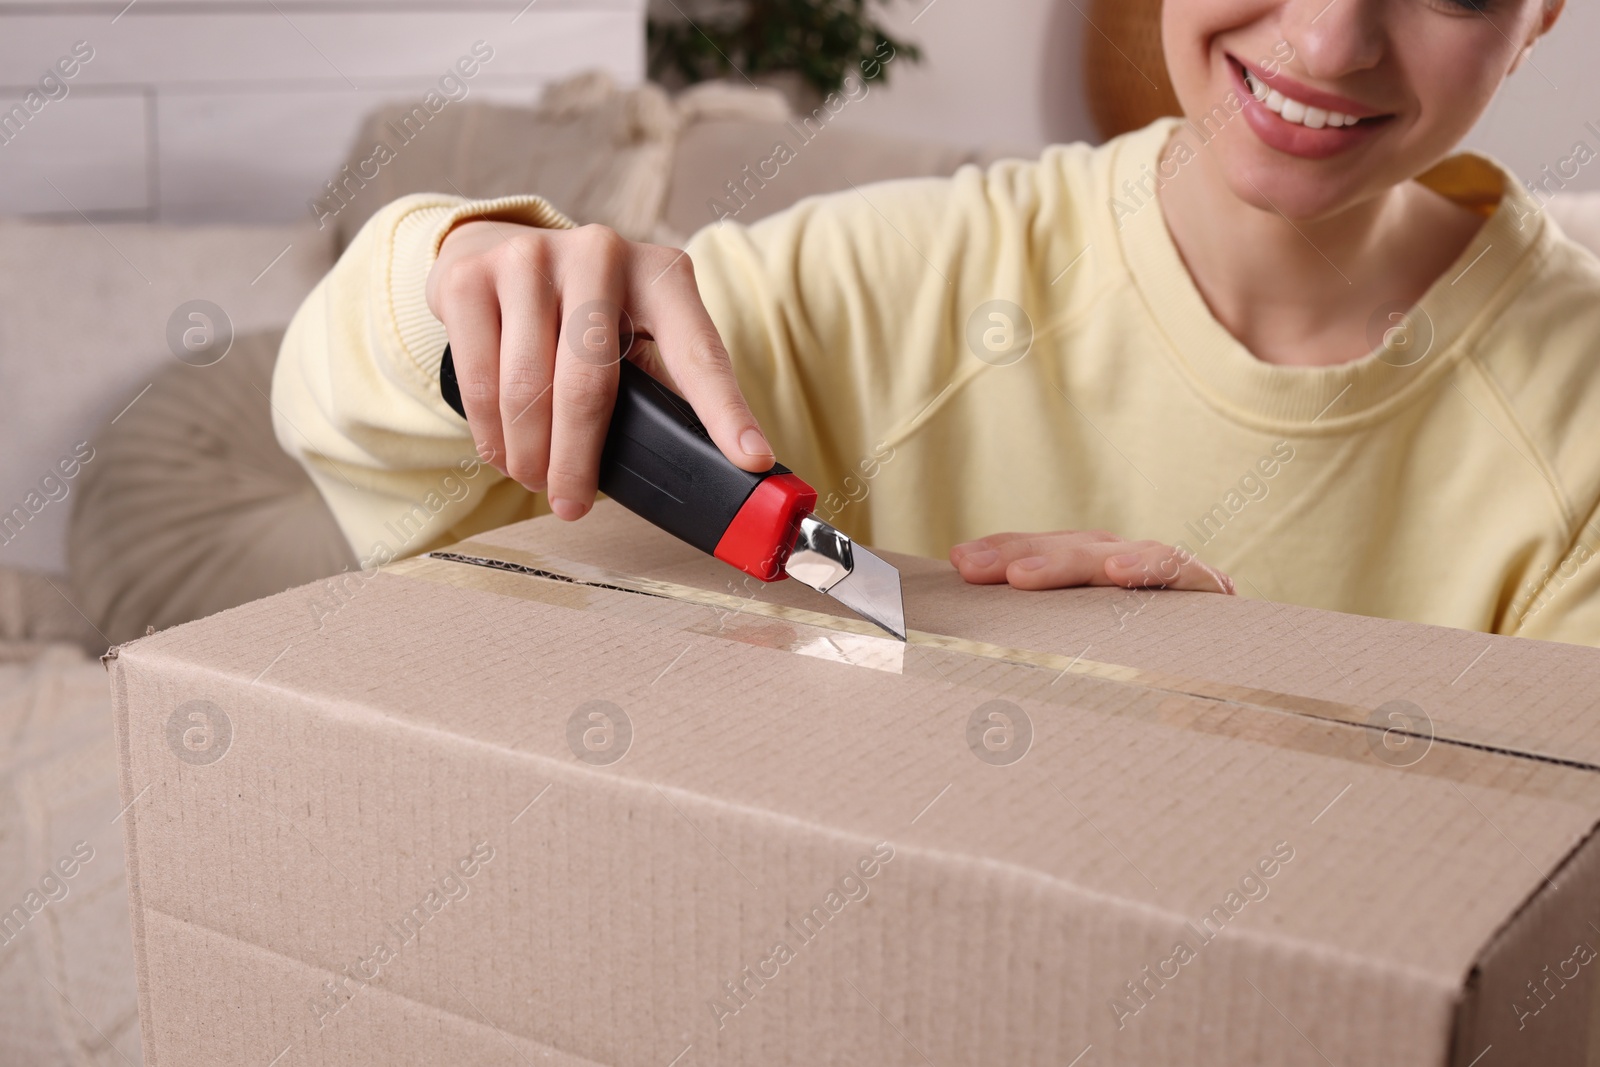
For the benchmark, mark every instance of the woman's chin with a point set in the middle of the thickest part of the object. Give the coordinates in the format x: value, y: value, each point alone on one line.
x: 1299, y: 191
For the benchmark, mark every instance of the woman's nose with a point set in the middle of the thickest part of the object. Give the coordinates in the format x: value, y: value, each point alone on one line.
x: 1334, y: 38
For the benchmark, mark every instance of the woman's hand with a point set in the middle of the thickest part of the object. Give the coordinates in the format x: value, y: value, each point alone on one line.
x: 532, y: 316
x: 1083, y: 557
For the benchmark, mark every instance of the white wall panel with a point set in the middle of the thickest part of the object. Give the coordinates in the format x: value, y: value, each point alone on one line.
x: 83, y: 153
x: 244, y: 108
x: 1550, y: 106
x: 215, y: 45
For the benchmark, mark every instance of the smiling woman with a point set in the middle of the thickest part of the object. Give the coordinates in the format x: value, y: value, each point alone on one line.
x: 1302, y: 262
x: 1407, y: 81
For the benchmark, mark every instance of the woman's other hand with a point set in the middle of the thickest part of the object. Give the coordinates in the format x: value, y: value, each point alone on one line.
x: 1083, y: 557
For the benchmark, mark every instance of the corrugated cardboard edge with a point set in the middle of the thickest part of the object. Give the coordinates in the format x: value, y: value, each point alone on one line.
x: 130, y: 844
x: 1540, y: 934
x: 526, y: 1050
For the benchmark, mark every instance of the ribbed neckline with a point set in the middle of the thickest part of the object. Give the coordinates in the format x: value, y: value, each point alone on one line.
x: 1278, y: 398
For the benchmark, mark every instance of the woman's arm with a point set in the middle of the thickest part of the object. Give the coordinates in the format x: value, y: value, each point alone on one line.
x: 844, y: 313
x: 355, y: 392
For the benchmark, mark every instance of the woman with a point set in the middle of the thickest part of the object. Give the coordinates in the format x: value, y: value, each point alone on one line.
x: 1290, y: 339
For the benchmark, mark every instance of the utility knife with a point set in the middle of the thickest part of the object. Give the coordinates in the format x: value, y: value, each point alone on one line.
x: 661, y: 464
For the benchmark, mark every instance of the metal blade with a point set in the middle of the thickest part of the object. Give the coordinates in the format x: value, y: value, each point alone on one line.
x: 872, y: 590
x: 831, y: 563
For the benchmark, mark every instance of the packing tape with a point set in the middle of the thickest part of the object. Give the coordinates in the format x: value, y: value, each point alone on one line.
x: 830, y: 638
x: 859, y: 643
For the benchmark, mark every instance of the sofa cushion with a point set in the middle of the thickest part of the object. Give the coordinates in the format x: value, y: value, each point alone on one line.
x: 190, y: 506
x: 85, y: 326
x: 597, y: 152
x: 712, y: 155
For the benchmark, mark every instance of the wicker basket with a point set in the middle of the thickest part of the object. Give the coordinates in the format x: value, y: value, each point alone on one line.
x: 1125, y: 73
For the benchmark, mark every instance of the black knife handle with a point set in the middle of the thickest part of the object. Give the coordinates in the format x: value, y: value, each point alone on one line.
x: 660, y: 463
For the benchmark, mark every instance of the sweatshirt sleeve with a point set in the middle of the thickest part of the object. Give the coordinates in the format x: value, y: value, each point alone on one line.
x: 1564, y: 603
x: 849, y: 319
x: 840, y: 315
x: 355, y: 394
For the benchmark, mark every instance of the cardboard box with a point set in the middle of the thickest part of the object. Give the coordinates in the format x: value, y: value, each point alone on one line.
x: 594, y: 799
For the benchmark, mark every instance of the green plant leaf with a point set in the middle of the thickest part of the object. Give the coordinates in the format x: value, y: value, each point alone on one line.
x: 823, y: 41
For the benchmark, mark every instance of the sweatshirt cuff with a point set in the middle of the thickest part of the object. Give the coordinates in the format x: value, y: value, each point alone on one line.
x: 414, y: 245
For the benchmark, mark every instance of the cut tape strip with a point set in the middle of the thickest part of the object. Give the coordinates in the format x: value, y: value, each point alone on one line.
x: 840, y: 640
x: 860, y: 643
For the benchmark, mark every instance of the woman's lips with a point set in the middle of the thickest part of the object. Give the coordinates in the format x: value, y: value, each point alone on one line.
x: 1314, y: 124
x: 1306, y: 94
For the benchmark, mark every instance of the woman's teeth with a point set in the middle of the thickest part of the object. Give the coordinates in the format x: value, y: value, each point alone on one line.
x: 1294, y: 111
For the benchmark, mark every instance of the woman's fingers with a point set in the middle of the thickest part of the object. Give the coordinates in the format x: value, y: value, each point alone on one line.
x: 1083, y: 557
x: 470, y: 311
x: 1063, y: 565
x: 533, y: 321
x: 1000, y: 539
x: 592, y: 283
x: 529, y: 329
x: 1156, y: 564
x: 667, y: 305
x: 985, y: 562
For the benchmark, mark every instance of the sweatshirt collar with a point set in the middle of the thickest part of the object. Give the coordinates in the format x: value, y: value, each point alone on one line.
x: 1278, y: 398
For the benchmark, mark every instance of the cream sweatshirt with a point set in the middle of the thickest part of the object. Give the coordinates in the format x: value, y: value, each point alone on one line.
x: 1021, y: 348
